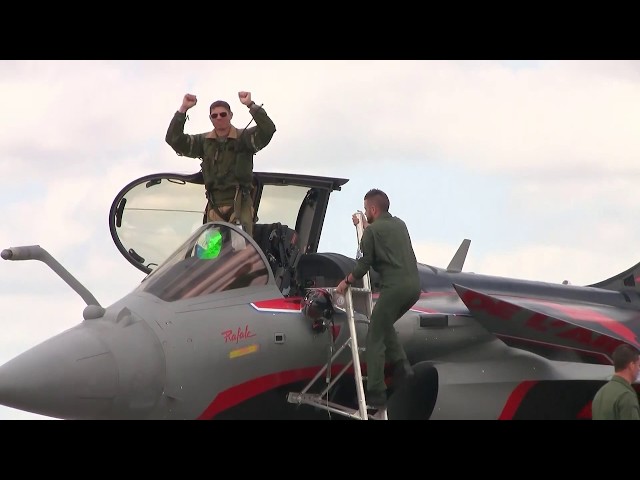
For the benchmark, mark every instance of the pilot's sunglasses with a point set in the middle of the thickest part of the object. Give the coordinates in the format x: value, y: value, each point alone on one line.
x: 215, y: 115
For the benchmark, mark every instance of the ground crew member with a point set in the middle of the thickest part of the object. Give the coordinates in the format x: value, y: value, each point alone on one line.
x: 227, y: 156
x: 386, y: 247
x: 617, y: 399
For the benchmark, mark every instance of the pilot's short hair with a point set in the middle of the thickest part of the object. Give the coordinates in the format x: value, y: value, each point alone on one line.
x: 379, y: 198
x: 220, y: 103
x: 623, y: 355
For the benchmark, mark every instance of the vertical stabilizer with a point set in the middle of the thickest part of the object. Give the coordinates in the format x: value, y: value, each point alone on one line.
x: 457, y: 262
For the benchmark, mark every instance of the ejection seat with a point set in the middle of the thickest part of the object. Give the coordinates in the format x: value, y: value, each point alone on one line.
x: 280, y: 245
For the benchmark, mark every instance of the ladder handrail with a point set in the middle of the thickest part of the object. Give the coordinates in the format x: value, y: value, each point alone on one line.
x: 366, y: 280
x: 355, y: 354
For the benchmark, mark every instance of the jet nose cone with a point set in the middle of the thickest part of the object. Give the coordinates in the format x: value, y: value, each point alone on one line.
x: 97, y: 370
x: 71, y: 375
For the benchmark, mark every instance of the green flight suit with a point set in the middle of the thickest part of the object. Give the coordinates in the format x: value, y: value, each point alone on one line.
x: 227, y: 164
x: 616, y: 400
x: 386, y: 247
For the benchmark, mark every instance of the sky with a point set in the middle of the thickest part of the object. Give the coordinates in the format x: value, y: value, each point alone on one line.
x: 534, y: 161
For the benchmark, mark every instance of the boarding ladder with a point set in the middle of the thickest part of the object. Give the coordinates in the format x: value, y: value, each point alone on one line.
x: 321, y: 400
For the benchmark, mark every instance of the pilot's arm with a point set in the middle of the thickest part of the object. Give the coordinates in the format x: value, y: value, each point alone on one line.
x: 259, y: 136
x: 183, y: 144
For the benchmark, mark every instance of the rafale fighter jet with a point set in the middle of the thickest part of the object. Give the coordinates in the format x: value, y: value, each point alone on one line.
x: 231, y: 326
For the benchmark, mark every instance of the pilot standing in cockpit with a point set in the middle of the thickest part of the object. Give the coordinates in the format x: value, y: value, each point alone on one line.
x: 386, y: 247
x: 227, y: 156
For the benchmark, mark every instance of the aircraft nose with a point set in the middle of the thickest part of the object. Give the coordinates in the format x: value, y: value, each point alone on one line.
x: 100, y: 369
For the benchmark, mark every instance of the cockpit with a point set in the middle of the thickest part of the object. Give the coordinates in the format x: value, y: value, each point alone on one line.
x: 152, y: 216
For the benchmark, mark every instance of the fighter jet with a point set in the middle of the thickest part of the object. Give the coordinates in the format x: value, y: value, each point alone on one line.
x: 227, y: 325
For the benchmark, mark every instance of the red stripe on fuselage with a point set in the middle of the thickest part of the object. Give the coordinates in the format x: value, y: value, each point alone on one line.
x: 244, y: 391
x: 515, y: 399
x: 293, y: 304
x: 585, y: 413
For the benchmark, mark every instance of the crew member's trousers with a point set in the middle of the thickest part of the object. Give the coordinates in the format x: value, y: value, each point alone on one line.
x: 382, y: 340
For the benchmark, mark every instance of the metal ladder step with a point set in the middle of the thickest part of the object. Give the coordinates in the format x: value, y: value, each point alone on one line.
x: 315, y: 399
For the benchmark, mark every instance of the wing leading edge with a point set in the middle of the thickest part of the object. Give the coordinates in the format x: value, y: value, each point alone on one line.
x: 559, y: 330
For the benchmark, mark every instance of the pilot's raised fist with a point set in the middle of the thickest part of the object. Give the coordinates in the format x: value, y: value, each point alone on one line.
x: 189, y: 101
x: 245, y: 97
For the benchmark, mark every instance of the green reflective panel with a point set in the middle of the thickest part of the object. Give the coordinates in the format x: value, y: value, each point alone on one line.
x: 212, y: 245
